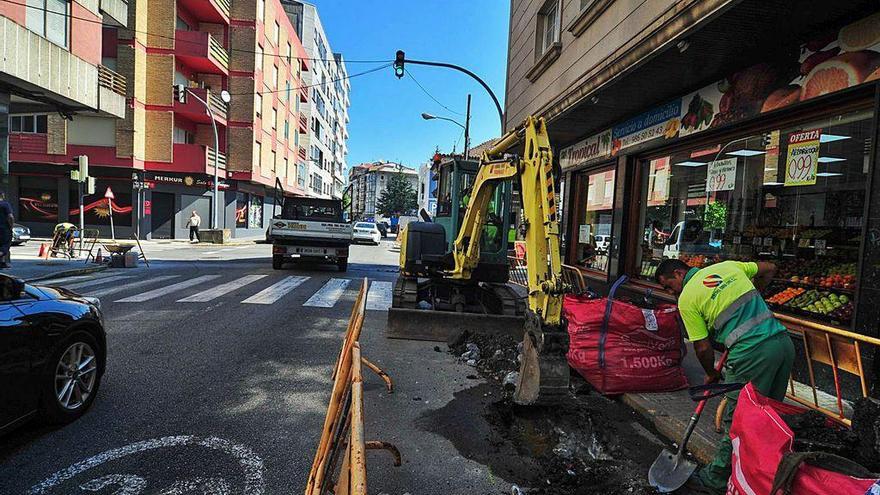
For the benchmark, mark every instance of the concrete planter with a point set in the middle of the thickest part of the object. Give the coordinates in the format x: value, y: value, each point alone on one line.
x: 215, y: 236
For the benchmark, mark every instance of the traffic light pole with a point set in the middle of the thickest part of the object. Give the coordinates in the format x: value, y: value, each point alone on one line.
x: 216, y: 159
x: 401, y: 58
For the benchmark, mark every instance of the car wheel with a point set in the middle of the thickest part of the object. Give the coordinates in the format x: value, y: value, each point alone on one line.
x: 72, y: 378
x: 277, y: 262
x: 342, y: 265
x: 17, y: 243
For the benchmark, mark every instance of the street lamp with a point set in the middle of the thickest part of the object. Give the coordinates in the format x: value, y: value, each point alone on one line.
x: 466, y: 126
x: 224, y: 95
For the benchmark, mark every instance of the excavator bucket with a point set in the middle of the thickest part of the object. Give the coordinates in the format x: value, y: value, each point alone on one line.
x: 543, y: 373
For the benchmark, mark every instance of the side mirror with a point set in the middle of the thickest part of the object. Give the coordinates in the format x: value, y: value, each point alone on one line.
x: 11, y: 288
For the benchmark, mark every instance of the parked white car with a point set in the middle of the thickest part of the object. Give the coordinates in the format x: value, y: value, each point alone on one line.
x: 366, y: 232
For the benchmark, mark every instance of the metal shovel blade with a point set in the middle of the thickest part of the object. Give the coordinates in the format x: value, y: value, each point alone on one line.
x: 670, y: 471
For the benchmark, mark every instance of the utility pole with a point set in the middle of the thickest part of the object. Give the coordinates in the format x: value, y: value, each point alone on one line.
x: 467, y: 126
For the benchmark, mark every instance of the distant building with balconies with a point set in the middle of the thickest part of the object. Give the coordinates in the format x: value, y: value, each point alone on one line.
x: 159, y: 158
x: 327, y: 106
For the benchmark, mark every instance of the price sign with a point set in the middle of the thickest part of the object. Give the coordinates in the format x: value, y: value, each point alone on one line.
x: 737, y: 239
x: 756, y: 241
x: 820, y: 247
x: 802, y: 159
x: 803, y: 243
x: 721, y: 175
x: 768, y: 241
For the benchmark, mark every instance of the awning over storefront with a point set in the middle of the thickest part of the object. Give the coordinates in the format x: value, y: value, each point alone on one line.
x: 718, y: 45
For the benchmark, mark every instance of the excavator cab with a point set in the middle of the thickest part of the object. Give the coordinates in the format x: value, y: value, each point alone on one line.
x: 455, y: 180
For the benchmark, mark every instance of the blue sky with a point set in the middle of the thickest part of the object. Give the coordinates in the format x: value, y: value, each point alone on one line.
x: 386, y: 112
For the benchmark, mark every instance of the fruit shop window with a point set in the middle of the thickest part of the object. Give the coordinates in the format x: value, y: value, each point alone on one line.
x: 794, y: 196
x: 592, y: 220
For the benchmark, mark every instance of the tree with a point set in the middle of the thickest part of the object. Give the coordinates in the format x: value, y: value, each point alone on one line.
x: 398, y: 198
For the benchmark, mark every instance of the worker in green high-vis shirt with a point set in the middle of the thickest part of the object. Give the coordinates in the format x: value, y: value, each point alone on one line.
x: 721, y: 305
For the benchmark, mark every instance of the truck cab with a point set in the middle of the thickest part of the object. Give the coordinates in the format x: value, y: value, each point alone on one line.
x: 310, y: 229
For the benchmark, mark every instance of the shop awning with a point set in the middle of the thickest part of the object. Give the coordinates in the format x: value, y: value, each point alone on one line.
x: 743, y: 34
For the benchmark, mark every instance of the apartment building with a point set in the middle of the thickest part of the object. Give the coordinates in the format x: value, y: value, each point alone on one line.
x: 159, y: 159
x: 711, y: 130
x: 328, y: 103
x: 369, y: 180
x: 56, y: 69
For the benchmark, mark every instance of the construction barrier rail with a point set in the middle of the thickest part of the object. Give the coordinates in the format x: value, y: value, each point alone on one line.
x: 840, y: 351
x: 343, y: 433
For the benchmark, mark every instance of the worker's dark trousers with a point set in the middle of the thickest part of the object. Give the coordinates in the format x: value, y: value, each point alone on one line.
x: 768, y: 367
x: 194, y: 233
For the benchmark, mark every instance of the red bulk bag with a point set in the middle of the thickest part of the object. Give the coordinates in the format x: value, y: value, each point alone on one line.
x: 760, y: 438
x: 619, y: 347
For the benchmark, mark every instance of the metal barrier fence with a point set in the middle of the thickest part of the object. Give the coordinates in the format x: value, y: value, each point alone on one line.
x: 343, y: 431
x: 840, y: 351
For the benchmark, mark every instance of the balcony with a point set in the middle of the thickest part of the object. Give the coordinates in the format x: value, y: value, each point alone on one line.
x: 195, y: 111
x: 302, y: 153
x: 116, y: 10
x: 111, y: 92
x: 35, y: 64
x: 216, y: 11
x: 28, y: 142
x: 196, y: 159
x: 201, y: 51
x: 303, y: 94
x: 303, y: 124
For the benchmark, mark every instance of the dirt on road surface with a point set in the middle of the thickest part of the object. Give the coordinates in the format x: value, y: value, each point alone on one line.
x: 588, y: 445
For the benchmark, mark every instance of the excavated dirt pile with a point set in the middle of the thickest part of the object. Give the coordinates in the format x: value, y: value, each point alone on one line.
x: 861, y: 443
x: 588, y: 445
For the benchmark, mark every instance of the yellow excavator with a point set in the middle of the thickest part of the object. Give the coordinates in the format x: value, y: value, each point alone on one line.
x: 426, y: 255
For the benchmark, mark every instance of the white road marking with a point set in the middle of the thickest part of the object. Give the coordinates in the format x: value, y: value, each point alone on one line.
x: 379, y: 296
x: 98, y: 281
x: 249, y: 462
x: 219, y: 290
x: 161, y: 291
x: 276, y: 291
x: 133, y: 285
x: 327, y: 296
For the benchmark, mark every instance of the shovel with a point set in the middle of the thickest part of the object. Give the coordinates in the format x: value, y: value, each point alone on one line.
x: 671, y: 471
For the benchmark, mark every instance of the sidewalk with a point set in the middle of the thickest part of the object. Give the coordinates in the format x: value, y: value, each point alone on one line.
x: 671, y: 411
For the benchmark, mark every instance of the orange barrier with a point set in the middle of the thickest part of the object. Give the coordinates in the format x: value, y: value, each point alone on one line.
x: 837, y: 349
x: 343, y: 432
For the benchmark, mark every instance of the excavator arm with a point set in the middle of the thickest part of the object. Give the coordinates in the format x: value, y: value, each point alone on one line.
x: 544, y: 370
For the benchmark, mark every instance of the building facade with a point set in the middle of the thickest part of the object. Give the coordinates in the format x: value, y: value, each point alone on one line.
x: 368, y: 181
x: 56, y: 71
x: 159, y: 159
x: 328, y: 104
x: 704, y: 131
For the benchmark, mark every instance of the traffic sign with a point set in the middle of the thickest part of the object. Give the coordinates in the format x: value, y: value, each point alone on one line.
x: 109, y: 194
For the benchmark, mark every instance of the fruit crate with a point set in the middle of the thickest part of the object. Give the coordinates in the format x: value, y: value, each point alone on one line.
x: 825, y: 305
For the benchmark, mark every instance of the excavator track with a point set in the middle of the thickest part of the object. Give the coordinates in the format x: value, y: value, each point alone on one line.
x: 543, y: 372
x: 405, y: 293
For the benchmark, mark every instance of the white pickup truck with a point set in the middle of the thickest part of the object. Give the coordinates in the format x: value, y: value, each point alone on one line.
x: 310, y: 229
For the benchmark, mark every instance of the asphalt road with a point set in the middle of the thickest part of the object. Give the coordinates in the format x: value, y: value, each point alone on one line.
x: 218, y: 376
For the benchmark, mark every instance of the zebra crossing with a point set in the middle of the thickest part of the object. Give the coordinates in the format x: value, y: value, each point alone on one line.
x: 251, y: 289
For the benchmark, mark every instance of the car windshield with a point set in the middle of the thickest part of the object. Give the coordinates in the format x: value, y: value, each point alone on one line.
x: 365, y: 225
x: 312, y: 210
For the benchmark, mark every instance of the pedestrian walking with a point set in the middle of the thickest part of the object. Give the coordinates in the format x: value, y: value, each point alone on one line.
x: 193, y: 223
x: 7, y: 221
x: 721, y: 306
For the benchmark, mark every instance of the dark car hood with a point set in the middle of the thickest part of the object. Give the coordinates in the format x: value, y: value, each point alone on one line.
x: 57, y: 293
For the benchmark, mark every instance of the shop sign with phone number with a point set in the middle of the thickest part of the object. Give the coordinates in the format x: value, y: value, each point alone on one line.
x: 802, y: 160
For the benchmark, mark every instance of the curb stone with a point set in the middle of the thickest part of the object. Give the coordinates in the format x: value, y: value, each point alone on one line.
x: 67, y: 273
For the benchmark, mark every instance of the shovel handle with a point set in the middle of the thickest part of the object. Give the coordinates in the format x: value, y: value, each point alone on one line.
x: 699, y: 410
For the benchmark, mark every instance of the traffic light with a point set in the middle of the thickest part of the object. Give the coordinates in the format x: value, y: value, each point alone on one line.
x: 398, y: 64
x: 180, y: 93
x: 83, y: 162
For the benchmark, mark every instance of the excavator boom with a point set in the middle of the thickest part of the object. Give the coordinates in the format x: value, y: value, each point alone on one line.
x: 544, y: 369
